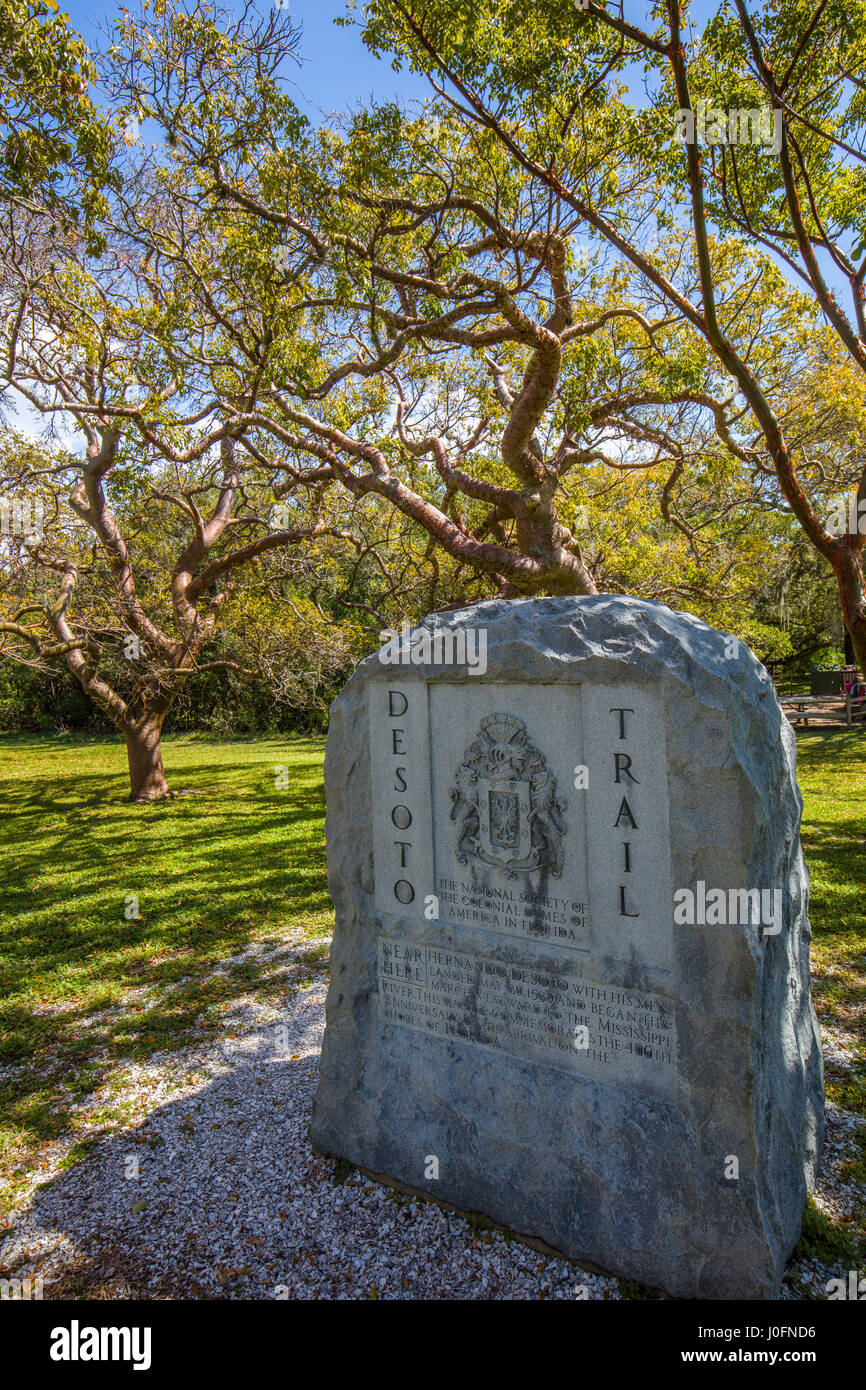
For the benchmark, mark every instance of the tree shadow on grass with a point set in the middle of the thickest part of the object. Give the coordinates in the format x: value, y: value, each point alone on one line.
x: 118, y: 924
x: 833, y: 777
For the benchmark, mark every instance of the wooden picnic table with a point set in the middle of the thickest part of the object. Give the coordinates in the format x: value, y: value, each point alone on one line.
x: 803, y: 703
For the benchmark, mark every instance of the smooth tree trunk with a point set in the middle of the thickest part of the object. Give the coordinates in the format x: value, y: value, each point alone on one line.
x: 143, y: 749
x: 859, y: 644
x: 849, y: 576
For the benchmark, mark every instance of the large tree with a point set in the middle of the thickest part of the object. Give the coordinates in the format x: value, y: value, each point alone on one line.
x: 451, y: 355
x: 548, y: 82
x: 148, y: 524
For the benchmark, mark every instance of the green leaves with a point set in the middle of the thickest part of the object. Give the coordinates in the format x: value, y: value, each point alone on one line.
x: 54, y: 144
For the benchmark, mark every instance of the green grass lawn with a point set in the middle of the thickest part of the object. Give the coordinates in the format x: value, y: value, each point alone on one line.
x: 240, y: 863
x: 831, y: 769
x: 236, y: 863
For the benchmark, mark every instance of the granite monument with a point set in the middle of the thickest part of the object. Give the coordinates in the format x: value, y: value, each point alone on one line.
x: 570, y: 969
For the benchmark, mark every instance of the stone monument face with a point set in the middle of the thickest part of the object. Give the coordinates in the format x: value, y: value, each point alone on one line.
x: 570, y: 978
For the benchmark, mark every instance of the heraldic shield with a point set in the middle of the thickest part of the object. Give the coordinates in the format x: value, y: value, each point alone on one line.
x: 505, y: 802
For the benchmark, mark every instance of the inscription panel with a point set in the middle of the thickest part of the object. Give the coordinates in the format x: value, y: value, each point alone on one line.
x: 560, y: 1019
x: 509, y: 826
x: 537, y: 812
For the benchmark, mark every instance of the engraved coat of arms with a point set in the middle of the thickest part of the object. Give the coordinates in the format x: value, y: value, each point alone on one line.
x: 505, y: 801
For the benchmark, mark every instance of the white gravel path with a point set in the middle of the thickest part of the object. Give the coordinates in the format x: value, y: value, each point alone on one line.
x: 213, y: 1191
